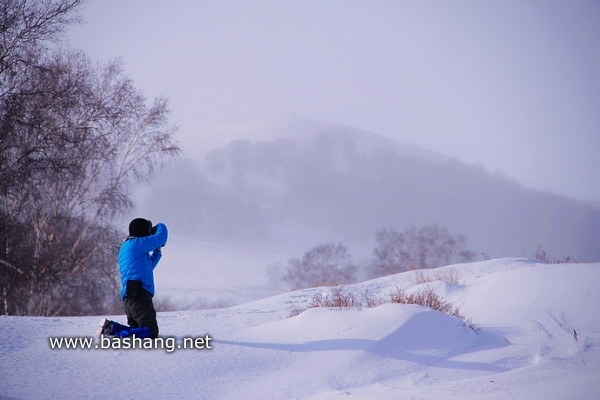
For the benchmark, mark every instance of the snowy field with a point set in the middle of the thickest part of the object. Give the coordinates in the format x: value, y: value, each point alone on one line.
x: 539, y: 338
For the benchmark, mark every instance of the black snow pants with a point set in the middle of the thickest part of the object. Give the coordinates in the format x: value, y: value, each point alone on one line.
x: 139, y: 308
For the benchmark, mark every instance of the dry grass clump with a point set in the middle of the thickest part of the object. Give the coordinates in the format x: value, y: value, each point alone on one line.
x: 339, y: 297
x: 542, y: 254
x: 448, y: 275
x: 428, y: 298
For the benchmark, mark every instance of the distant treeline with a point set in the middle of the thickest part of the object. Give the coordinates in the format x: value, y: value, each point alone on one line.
x: 331, y: 263
x: 325, y: 187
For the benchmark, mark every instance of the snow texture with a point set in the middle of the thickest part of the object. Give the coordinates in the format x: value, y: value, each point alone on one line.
x: 539, y: 338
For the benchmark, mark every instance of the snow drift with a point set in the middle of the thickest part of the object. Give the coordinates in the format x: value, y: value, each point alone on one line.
x: 539, y: 337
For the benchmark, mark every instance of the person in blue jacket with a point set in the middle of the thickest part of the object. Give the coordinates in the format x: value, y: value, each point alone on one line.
x: 138, y: 257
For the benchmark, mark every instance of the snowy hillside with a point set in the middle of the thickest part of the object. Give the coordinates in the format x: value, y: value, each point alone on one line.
x: 539, y: 338
x: 287, y: 185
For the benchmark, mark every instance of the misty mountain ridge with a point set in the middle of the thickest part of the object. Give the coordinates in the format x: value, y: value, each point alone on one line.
x: 290, y: 184
x: 306, y: 129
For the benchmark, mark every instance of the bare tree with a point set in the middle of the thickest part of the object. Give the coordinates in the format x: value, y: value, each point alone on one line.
x: 428, y: 247
x: 74, y: 136
x: 26, y: 28
x: 325, y: 264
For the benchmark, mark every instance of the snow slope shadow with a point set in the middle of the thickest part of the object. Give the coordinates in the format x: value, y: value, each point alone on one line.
x: 434, y: 339
x: 418, y: 335
x: 367, y: 345
x: 307, y: 347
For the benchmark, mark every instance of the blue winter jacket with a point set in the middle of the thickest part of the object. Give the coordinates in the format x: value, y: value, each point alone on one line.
x: 138, y: 258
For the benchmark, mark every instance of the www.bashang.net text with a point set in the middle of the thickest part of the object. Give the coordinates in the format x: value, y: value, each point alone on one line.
x: 168, y: 344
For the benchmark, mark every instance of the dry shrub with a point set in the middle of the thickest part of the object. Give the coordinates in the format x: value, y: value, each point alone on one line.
x: 339, y: 297
x: 448, y: 275
x: 428, y: 298
x: 542, y: 254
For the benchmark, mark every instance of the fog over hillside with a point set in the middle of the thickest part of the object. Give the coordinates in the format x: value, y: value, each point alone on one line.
x: 294, y: 183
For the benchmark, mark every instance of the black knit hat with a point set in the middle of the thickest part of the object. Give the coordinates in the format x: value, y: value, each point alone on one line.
x: 140, y: 227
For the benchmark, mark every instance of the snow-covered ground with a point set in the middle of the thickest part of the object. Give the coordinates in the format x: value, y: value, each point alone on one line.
x: 194, y: 274
x: 539, y: 338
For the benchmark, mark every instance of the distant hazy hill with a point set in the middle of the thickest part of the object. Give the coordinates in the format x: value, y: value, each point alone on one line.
x: 294, y: 183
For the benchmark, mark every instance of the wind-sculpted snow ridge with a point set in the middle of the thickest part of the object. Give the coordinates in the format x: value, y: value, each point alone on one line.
x: 539, y: 338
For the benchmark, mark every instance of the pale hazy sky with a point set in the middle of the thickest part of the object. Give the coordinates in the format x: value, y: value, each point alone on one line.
x: 513, y: 85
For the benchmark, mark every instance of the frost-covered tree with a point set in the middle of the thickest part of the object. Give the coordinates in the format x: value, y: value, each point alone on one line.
x: 74, y: 136
x: 427, y: 247
x: 325, y: 264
